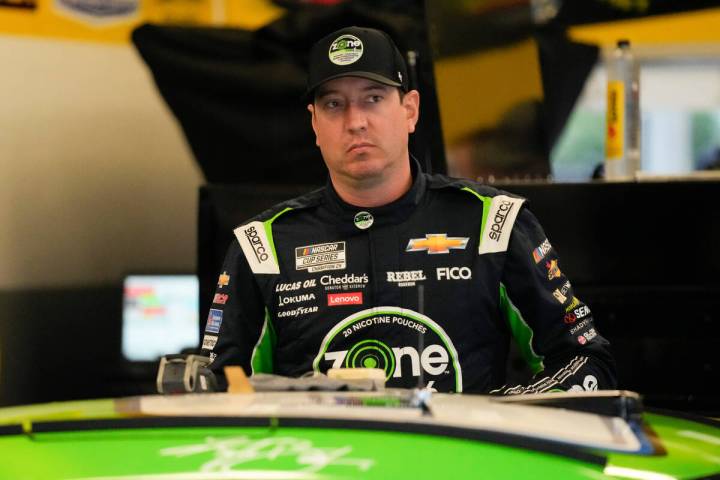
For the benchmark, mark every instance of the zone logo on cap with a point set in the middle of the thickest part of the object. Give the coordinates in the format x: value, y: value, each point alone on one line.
x: 345, y: 49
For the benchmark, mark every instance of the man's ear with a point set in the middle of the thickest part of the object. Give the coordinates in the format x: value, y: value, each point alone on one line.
x: 313, y: 120
x: 411, y: 102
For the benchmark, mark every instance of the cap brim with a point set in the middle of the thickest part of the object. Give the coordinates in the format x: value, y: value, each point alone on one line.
x: 369, y: 75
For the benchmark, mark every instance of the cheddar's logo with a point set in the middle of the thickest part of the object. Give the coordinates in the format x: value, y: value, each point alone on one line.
x: 436, y: 243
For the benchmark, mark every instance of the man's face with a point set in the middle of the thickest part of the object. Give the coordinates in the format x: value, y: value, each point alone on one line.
x: 362, y: 128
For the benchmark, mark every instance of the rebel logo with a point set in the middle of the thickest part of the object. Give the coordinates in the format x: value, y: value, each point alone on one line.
x: 340, y: 299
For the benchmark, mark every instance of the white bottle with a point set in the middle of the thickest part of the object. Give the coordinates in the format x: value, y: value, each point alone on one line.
x: 622, y: 134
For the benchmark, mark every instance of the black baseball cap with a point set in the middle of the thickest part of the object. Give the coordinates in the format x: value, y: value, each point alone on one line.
x: 356, y: 52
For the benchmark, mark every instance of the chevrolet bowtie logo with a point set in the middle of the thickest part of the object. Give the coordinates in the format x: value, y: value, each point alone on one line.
x: 436, y: 243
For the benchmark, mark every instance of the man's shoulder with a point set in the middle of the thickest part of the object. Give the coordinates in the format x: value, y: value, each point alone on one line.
x: 303, y: 202
x: 443, y: 183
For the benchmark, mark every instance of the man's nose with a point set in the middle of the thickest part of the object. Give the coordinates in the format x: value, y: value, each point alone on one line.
x: 355, y: 118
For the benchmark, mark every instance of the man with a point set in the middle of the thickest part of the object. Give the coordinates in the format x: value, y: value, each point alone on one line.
x: 423, y: 276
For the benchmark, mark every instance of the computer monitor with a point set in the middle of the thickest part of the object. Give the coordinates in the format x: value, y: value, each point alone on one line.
x: 160, y: 315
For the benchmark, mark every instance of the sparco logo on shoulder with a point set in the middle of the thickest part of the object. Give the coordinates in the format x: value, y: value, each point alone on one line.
x: 387, y: 338
x: 256, y: 243
x: 501, y: 214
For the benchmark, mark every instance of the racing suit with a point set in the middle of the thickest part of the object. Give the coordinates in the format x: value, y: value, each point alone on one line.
x: 429, y: 288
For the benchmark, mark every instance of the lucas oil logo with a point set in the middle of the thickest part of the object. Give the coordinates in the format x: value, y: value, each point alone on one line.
x: 389, y: 338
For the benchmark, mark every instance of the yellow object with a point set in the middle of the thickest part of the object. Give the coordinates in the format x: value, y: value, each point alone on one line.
x: 615, y: 120
x: 237, y: 380
x: 699, y: 26
x: 78, y: 20
x: 475, y: 90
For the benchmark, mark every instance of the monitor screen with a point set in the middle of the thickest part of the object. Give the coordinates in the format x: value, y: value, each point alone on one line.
x: 160, y: 315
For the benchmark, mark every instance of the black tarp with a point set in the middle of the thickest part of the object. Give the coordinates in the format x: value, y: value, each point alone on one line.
x: 237, y: 94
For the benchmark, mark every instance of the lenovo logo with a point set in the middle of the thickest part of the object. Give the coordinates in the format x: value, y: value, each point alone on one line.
x: 339, y: 299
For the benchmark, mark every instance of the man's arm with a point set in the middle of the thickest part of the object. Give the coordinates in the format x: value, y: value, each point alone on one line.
x: 553, y: 328
x: 236, y: 323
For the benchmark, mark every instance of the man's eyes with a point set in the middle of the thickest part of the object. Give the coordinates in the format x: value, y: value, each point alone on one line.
x: 332, y: 104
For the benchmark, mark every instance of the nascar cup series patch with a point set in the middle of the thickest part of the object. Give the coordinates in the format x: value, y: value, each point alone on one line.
x: 345, y: 50
x: 412, y: 345
x: 320, y: 257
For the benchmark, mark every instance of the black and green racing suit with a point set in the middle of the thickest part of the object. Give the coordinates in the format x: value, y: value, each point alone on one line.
x: 432, y: 286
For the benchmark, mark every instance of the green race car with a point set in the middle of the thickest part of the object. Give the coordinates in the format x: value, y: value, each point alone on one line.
x: 344, y: 435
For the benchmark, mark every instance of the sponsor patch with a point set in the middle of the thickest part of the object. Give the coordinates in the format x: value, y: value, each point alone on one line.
x: 406, y: 278
x: 581, y: 312
x: 363, y: 220
x: 579, y: 326
x: 257, y: 248
x: 435, y: 243
x: 290, y: 299
x: 320, y: 257
x: 349, y: 281
x: 574, y: 303
x: 553, y: 269
x: 499, y: 223
x: 209, y: 342
x: 453, y: 273
x: 559, y: 296
x: 289, y: 287
x: 353, y: 343
x: 590, y: 384
x: 541, y: 250
x: 297, y: 312
x: 223, y: 280
x: 345, y: 50
x: 587, y: 336
x: 214, y: 321
x: 220, y: 298
x: 340, y: 299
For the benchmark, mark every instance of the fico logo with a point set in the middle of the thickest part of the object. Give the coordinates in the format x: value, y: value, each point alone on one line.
x: 340, y: 299
x: 453, y: 273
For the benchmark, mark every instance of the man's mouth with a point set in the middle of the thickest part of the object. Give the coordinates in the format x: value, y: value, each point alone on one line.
x: 359, y: 146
